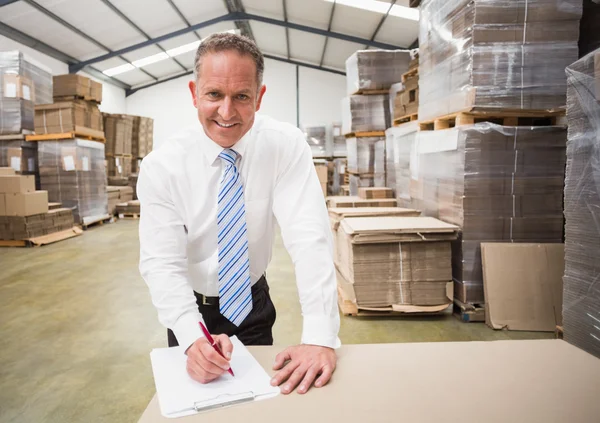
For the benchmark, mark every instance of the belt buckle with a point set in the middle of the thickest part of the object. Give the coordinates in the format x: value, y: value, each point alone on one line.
x: 204, y: 302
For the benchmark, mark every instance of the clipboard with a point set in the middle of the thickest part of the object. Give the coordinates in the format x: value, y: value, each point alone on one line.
x: 179, y: 395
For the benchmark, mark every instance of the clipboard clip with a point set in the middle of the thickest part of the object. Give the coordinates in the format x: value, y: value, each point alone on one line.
x: 224, y: 400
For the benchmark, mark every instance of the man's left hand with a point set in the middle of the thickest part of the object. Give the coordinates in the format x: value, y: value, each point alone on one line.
x: 301, y: 365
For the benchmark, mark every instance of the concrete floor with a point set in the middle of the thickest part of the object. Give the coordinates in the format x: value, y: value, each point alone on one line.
x: 77, y: 326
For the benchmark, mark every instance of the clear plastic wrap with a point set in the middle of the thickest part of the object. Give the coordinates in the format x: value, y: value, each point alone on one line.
x: 74, y: 174
x: 364, y: 113
x: 495, y: 54
x: 375, y: 69
x: 358, y: 181
x: 339, y: 174
x: 497, y: 183
x: 16, y: 116
x: 581, y: 296
x: 379, y: 166
x: 316, y: 137
x: 21, y: 156
x: 401, y: 141
x: 361, y: 155
x: 16, y: 63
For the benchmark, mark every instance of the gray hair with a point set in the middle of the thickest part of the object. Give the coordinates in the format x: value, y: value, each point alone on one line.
x: 224, y: 41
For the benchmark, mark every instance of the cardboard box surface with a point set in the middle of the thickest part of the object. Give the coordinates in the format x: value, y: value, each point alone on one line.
x: 17, y: 183
x: 27, y: 204
x: 2, y: 204
x: 523, y: 285
x: 6, y: 171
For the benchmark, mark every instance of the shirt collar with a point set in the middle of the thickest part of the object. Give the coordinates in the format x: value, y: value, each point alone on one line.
x: 212, y: 150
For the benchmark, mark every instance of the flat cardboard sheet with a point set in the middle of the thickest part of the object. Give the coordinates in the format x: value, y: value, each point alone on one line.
x: 396, y: 225
x: 508, y: 381
x: 336, y: 214
x: 523, y: 285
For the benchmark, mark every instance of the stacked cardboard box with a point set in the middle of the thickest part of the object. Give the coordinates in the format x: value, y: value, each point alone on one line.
x: 345, y: 201
x: 497, y: 183
x: 76, y: 86
x: 142, y: 138
x: 133, y: 184
x: 339, y: 141
x: 21, y: 156
x: 365, y: 113
x: 395, y: 261
x: 68, y: 116
x: 119, y: 141
x: 495, y: 55
x: 581, y: 297
x: 117, y: 195
x: 73, y: 172
x: 18, y: 196
x: 23, y: 84
x: 129, y: 208
x: 317, y: 139
x: 375, y: 193
x: 366, y: 162
x: 401, y: 149
x: 404, y: 96
x: 26, y: 227
x: 369, y: 70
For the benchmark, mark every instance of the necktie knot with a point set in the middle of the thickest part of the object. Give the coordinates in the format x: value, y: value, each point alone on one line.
x: 229, y: 156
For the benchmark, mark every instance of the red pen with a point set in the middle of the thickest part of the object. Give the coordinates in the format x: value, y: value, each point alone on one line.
x: 214, y: 344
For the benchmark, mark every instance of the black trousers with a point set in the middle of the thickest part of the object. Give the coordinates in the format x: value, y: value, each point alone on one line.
x: 257, y: 327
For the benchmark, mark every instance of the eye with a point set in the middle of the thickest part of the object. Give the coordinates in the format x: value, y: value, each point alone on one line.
x: 213, y: 94
x: 243, y: 97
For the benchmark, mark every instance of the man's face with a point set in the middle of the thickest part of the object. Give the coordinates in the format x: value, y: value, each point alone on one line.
x: 227, y: 96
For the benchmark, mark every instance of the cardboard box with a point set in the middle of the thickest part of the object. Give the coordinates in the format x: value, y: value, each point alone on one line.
x: 523, y: 285
x: 354, y: 201
x: 27, y: 204
x: 2, y: 204
x: 17, y: 86
x: 65, y: 116
x: 6, y: 171
x: 74, y: 158
x: 17, y: 183
x: 77, y: 86
x: 368, y: 193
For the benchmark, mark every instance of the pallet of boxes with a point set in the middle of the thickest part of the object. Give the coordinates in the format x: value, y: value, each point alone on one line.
x: 24, y: 83
x: 404, y: 95
x: 25, y: 218
x: 488, y: 151
x: 70, y: 145
x: 581, y: 295
x: 366, y: 113
x: 141, y: 145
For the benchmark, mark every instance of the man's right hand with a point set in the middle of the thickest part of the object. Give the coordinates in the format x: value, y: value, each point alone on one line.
x: 204, y: 364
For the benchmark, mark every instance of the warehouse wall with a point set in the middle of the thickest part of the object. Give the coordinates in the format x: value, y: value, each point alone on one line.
x: 170, y: 104
x: 113, y: 98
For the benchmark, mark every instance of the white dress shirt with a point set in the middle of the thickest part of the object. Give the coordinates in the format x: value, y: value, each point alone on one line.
x: 178, y: 186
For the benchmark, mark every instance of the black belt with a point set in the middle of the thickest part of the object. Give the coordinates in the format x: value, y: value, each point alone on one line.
x: 204, y: 300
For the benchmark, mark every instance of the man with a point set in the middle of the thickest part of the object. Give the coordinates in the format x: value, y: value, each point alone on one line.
x: 210, y: 198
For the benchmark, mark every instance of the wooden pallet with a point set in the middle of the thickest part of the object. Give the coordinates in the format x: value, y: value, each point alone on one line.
x: 96, y: 221
x: 559, y: 332
x: 127, y: 156
x: 365, y: 134
x: 44, y: 239
x: 469, y: 312
x: 500, y: 117
x: 79, y: 132
x: 408, y: 118
x: 16, y: 137
x: 411, y: 72
x: 129, y: 216
x: 372, y: 92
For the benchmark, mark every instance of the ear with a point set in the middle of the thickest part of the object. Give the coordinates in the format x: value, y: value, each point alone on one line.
x: 260, y: 96
x: 192, y: 86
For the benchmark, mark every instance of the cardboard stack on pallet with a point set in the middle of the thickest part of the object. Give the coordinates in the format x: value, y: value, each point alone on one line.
x: 129, y: 209
x: 119, y: 136
x: 117, y: 195
x: 24, y: 211
x: 73, y: 172
x: 24, y: 83
x: 404, y: 96
x: 21, y: 156
x: 581, y: 299
x: 366, y: 112
x: 74, y: 110
x: 142, y: 140
x: 322, y: 168
x: 495, y: 55
x: 394, y: 264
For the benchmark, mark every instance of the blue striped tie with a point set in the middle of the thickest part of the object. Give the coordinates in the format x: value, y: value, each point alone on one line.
x: 235, y: 302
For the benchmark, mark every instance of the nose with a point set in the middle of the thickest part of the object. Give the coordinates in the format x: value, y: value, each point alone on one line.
x: 226, y: 110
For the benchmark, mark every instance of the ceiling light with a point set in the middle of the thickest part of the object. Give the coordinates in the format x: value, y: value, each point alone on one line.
x: 150, y: 59
x: 381, y: 7
x: 119, y: 69
x: 183, y: 49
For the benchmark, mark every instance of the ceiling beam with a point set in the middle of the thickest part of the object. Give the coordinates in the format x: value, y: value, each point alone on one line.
x: 133, y: 90
x: 7, y: 2
x: 44, y: 48
x: 182, y: 16
x: 236, y: 6
x: 77, y: 31
x: 383, y: 18
x: 287, y: 30
x: 328, y: 29
x: 414, y: 44
x: 137, y: 28
x: 238, y: 16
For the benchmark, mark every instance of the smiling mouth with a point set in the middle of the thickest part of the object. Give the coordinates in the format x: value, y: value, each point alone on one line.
x: 224, y: 125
